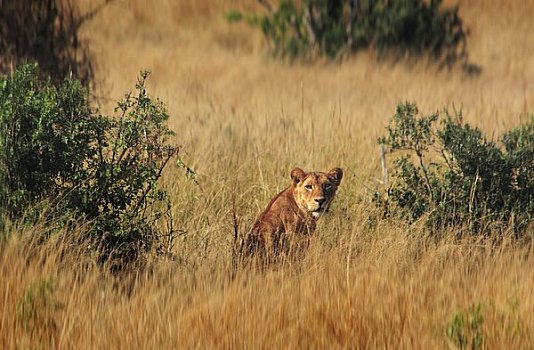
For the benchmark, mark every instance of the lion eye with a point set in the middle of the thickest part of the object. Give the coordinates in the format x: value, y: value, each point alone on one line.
x: 327, y: 186
x: 308, y: 187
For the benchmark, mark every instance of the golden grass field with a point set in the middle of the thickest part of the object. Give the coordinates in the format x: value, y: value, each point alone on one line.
x: 244, y: 121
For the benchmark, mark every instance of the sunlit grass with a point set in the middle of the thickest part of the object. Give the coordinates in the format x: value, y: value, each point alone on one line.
x: 245, y: 121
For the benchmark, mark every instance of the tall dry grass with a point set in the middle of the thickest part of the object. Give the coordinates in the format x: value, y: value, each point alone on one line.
x: 245, y: 120
x: 380, y: 288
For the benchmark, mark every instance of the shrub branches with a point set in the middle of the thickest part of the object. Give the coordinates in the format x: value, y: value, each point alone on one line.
x: 94, y: 167
x: 453, y: 175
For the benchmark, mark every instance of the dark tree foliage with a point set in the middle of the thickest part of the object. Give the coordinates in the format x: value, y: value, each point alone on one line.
x: 297, y: 29
x: 46, y: 32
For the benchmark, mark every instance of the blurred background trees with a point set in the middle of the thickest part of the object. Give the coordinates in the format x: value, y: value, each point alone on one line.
x: 333, y: 28
x: 46, y: 32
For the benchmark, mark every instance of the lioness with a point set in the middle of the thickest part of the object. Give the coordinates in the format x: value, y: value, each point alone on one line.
x: 291, y: 216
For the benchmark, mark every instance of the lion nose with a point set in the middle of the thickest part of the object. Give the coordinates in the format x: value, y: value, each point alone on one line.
x: 319, y: 200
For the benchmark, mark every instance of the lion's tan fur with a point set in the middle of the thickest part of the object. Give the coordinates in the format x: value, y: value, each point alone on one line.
x: 291, y: 217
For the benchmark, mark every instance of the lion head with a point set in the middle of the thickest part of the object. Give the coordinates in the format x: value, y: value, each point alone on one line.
x: 314, y: 191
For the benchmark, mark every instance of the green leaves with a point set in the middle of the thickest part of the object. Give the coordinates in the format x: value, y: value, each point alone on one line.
x: 335, y: 27
x: 466, y: 329
x: 98, y: 168
x: 38, y: 143
x: 452, y: 175
x: 408, y: 132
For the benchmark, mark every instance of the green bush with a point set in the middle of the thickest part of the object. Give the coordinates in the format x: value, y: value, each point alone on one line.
x: 331, y: 28
x: 465, y: 329
x: 46, y: 133
x: 453, y: 175
x: 93, y: 167
x: 37, y: 307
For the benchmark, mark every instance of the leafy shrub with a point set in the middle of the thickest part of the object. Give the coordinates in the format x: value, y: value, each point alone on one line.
x: 303, y: 29
x: 453, y: 175
x: 46, y: 133
x: 37, y: 308
x: 97, y: 168
x: 465, y: 329
x: 233, y: 16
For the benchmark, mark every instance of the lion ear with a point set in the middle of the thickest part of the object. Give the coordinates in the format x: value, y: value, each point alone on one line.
x: 335, y: 175
x: 297, y: 175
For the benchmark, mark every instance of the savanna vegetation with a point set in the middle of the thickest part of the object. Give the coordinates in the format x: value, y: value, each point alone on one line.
x: 336, y: 27
x: 427, y: 245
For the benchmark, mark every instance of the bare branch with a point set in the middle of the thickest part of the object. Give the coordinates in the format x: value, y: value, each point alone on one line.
x: 384, y: 166
x: 266, y: 4
x: 310, y: 24
x: 352, y: 16
x: 91, y: 14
